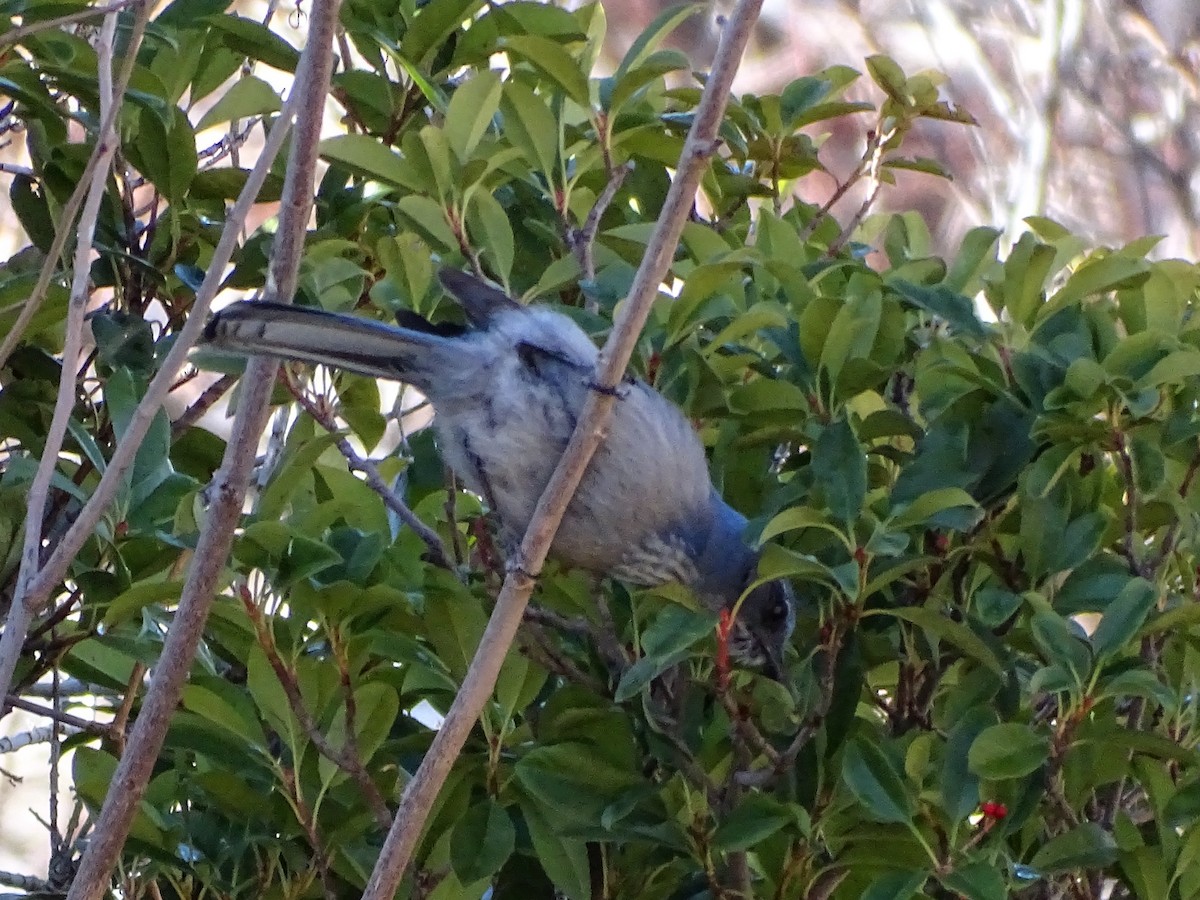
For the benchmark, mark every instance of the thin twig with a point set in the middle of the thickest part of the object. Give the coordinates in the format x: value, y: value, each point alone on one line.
x: 347, y: 758
x: 747, y: 731
x: 16, y: 35
x: 323, y: 416
x: 120, y: 721
x: 1129, y: 538
x: 480, y: 680
x: 308, y: 821
x: 42, y: 734
x: 49, y: 712
x: 874, y: 161
x: 582, y: 240
x: 203, y: 404
x: 538, y: 646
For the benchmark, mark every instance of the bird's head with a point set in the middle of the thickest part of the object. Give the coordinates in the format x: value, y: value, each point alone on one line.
x: 762, y: 626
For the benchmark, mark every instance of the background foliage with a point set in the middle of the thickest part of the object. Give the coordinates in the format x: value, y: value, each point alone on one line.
x: 957, y: 487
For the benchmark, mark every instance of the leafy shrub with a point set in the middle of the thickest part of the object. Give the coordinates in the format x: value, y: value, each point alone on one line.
x: 986, y: 507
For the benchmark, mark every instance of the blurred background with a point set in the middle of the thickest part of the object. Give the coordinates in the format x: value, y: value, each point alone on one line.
x: 1088, y: 112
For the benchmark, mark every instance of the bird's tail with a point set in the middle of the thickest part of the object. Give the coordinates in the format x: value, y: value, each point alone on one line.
x: 365, y: 346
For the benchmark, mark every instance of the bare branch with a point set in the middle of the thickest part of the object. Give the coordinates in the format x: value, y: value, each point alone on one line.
x: 203, y: 404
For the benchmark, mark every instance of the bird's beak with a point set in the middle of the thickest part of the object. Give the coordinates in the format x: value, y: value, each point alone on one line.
x: 772, y: 665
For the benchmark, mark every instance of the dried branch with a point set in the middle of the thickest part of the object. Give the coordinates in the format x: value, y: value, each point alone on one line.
x: 481, y: 676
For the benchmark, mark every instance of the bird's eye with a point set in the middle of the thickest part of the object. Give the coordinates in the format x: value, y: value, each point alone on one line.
x: 777, y: 612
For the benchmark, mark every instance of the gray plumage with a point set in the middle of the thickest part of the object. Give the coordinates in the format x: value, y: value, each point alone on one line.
x: 507, y: 391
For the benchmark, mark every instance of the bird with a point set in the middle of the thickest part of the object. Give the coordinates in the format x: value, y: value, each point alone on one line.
x: 507, y: 389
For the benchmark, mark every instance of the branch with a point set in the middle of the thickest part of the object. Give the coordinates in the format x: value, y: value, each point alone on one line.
x: 104, y: 148
x: 582, y: 240
x: 97, y: 728
x: 203, y: 404
x: 229, y: 485
x: 21, y: 613
x: 320, y: 412
x: 480, y: 680
x: 347, y: 758
x: 16, y: 35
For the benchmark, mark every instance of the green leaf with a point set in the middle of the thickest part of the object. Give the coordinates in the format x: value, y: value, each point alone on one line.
x: 482, y: 841
x: 876, y: 781
x: 470, y: 113
x: 564, y: 860
x: 432, y: 25
x: 549, y: 58
x: 625, y: 87
x: 1086, y: 846
x: 853, y: 331
x: 839, y: 468
x: 665, y: 642
x: 490, y: 229
x: 799, y: 517
x: 1077, y: 543
x: 1008, y: 750
x: 975, y: 255
x: 977, y: 881
x: 994, y: 605
x: 530, y: 126
x: 256, y: 41
x: 1124, y: 617
x: 152, y: 464
x: 1020, y: 293
x: 929, y: 504
x: 754, y: 820
x: 572, y: 782
x: 248, y: 96
x: 429, y: 218
x: 165, y: 152
x: 896, y: 886
x: 219, y: 703
x: 1095, y: 276
x: 366, y: 156
x: 652, y: 36
x: 958, y: 311
x: 1058, y: 642
x: 959, y: 786
x: 948, y: 630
